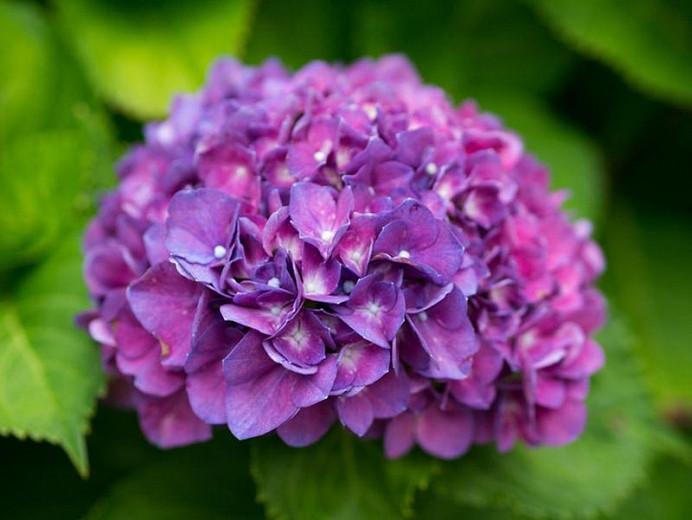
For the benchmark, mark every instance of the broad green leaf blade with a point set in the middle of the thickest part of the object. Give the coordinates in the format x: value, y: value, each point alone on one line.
x: 650, y: 255
x: 206, y: 481
x: 574, y: 161
x: 466, y: 46
x: 666, y: 494
x: 648, y: 41
x: 322, y: 35
x: 341, y: 477
x: 41, y: 87
x: 138, y: 55
x: 47, y: 181
x: 50, y: 373
x: 589, y: 476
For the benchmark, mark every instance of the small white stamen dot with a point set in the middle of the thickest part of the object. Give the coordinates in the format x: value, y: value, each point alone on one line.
x: 320, y: 156
x: 370, y: 111
x: 356, y: 255
x: 219, y: 252
x: 348, y: 286
x: 431, y: 168
x: 327, y: 235
x: 423, y: 316
x: 275, y: 310
x: 241, y: 171
x: 273, y: 282
x: 373, y: 308
x: 404, y: 254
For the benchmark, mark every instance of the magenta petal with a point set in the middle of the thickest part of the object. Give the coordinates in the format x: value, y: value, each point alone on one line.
x: 169, y: 421
x: 447, y: 336
x: 230, y: 168
x: 165, y: 303
x: 155, y: 244
x: 355, y: 247
x: 375, y: 311
x: 400, y: 435
x: 320, y: 277
x: 149, y: 376
x: 258, y: 395
x: 413, y: 236
x: 261, y: 395
x: 561, y: 426
x: 302, y: 340
x: 200, y: 225
x: 309, y: 425
x: 206, y: 390
x: 389, y: 396
x: 319, y: 218
x: 445, y: 434
x: 355, y: 412
x: 360, y: 364
x: 312, y: 389
x: 108, y: 267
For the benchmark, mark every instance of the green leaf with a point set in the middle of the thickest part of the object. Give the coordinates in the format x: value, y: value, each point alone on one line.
x: 322, y: 34
x: 340, y: 477
x: 206, y: 481
x: 591, y: 475
x: 138, y: 55
x: 47, y: 181
x: 466, y: 46
x: 50, y: 373
x: 666, y: 494
x: 650, y: 256
x: 649, y: 42
x: 41, y: 87
x: 574, y: 161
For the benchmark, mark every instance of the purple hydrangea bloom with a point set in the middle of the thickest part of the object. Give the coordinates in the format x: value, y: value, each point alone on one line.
x: 342, y: 245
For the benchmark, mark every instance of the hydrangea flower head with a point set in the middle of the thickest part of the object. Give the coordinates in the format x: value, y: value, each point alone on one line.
x: 342, y: 245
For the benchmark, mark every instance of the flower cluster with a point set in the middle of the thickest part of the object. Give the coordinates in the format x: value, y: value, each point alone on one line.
x: 342, y: 244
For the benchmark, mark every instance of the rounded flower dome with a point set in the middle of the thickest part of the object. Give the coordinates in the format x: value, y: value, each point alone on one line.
x: 342, y: 245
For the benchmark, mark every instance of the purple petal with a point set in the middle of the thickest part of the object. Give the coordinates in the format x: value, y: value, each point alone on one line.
x: 445, y: 434
x: 230, y: 168
x: 206, y: 390
x: 200, y: 225
x: 355, y: 247
x: 400, y: 435
x: 169, y: 421
x: 302, y: 340
x: 360, y: 364
x: 355, y: 412
x: 561, y: 426
x: 261, y: 395
x: 165, y: 303
x: 320, y: 277
x: 309, y: 425
x: 319, y: 218
x: 413, y: 236
x: 375, y: 311
x: 447, y: 335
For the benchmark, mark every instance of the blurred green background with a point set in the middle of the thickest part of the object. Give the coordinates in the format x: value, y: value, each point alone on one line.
x: 601, y: 90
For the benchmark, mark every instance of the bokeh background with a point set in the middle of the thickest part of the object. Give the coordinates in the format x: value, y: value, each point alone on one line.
x: 601, y: 90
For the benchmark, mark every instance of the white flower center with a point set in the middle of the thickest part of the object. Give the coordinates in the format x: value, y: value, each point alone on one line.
x: 219, y: 252
x: 327, y: 235
x: 404, y: 254
x: 241, y: 171
x: 373, y: 308
x: 320, y: 156
x: 348, y: 286
x: 431, y: 168
x: 273, y: 282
